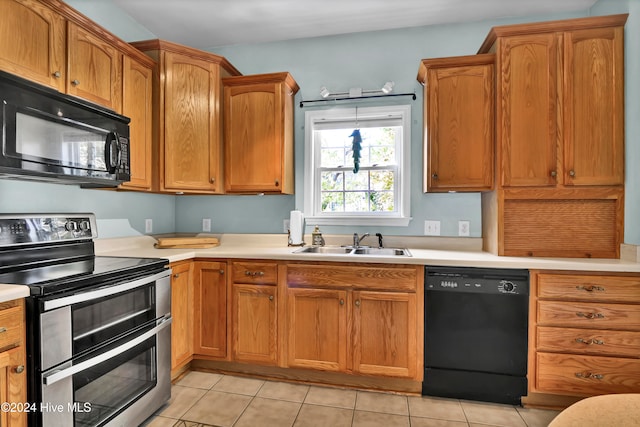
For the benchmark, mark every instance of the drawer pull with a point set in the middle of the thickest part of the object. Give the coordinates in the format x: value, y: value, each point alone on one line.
x: 3, y: 330
x: 590, y: 315
x: 590, y: 288
x: 254, y: 273
x: 589, y: 375
x: 589, y: 341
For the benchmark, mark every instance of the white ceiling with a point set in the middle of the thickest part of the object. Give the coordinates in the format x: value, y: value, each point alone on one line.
x: 212, y: 23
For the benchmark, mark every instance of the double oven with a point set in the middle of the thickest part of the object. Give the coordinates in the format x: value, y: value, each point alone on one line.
x: 98, y: 328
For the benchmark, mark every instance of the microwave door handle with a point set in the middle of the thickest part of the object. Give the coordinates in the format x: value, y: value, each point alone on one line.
x: 112, y: 155
x: 103, y: 292
x: 103, y: 357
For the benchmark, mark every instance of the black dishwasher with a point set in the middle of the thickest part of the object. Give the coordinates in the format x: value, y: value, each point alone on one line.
x: 475, y: 328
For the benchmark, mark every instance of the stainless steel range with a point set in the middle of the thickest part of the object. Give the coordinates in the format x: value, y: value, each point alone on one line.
x: 98, y: 328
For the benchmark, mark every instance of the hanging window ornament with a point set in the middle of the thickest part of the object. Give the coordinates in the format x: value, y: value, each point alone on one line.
x: 356, y: 145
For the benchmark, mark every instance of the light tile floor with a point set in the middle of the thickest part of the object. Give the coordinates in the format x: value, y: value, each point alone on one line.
x: 204, y: 399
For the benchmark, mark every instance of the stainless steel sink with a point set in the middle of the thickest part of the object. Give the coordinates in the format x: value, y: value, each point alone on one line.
x: 323, y: 250
x: 382, y: 251
x: 349, y: 250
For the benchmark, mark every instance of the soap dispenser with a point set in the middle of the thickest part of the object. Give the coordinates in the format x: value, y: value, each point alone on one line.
x: 316, y: 237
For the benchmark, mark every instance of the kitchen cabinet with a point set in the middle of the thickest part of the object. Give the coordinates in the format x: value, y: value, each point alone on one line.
x: 187, y: 111
x: 32, y: 42
x: 13, y: 377
x: 584, y: 334
x: 137, y: 105
x: 94, y: 68
x: 254, y: 322
x: 210, y: 314
x: 356, y: 319
x: 560, y: 139
x: 459, y: 123
x: 259, y: 134
x: 182, y: 304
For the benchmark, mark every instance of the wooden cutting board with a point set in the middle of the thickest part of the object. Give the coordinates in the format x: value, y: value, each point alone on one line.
x: 186, y: 242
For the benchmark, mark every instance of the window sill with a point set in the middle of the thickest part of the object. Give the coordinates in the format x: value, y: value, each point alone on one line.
x: 358, y: 220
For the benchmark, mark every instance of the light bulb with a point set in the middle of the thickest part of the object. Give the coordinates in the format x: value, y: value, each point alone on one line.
x: 388, y: 87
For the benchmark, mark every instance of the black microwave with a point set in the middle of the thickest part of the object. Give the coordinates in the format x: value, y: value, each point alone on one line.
x: 49, y: 136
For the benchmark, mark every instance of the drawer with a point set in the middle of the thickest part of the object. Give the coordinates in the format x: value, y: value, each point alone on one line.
x: 589, y: 288
x: 592, y: 315
x: 588, y: 341
x: 586, y: 375
x: 265, y: 273
x: 11, y: 322
x: 373, y: 277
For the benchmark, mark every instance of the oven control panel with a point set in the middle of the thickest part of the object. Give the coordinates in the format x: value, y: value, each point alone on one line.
x: 26, y: 229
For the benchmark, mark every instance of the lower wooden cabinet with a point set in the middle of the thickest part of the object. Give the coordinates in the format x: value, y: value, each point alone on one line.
x: 210, y: 314
x: 584, y: 334
x: 13, y: 377
x: 334, y: 324
x: 254, y: 323
x: 181, y: 313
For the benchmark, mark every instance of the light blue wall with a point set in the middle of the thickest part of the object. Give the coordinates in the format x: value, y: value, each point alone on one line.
x: 33, y: 197
x: 111, y: 17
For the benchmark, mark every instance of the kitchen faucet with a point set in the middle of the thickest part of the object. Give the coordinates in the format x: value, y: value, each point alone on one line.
x: 357, y: 240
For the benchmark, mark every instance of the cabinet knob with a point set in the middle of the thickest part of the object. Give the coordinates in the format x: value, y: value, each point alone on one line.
x: 221, y: 271
x: 341, y: 301
x: 56, y: 74
x: 212, y: 180
x: 435, y: 176
x: 277, y: 183
x: 554, y: 174
x: 3, y: 329
x: 590, y: 315
x: 75, y: 82
x: 357, y: 303
x: 19, y: 369
x: 589, y: 375
x: 270, y: 297
x: 175, y: 276
x: 572, y: 173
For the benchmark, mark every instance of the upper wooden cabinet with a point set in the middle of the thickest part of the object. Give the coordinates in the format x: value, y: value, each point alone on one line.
x: 459, y: 122
x: 258, y: 131
x: 32, y: 42
x: 187, y: 117
x: 560, y: 87
x: 137, y: 105
x: 94, y: 69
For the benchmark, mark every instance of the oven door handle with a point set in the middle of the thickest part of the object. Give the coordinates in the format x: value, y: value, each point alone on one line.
x: 104, y: 291
x: 103, y: 357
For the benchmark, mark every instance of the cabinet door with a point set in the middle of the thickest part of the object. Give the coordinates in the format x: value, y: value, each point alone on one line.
x: 594, y: 107
x: 459, y: 105
x: 13, y: 386
x: 32, y: 43
x: 253, y: 137
x: 136, y: 104
x: 384, y: 335
x: 317, y: 325
x: 182, y: 314
x: 95, y: 68
x: 527, y: 125
x: 190, y: 133
x: 254, y: 324
x: 211, y: 309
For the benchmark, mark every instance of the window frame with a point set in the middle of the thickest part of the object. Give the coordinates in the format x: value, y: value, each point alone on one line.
x: 312, y: 200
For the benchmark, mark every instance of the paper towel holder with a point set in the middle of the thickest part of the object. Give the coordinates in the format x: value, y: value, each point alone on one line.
x: 289, y: 243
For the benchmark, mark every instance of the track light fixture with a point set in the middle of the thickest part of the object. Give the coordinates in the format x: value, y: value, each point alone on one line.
x: 357, y: 92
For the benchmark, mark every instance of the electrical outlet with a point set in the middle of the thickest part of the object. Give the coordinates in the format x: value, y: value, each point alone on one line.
x: 463, y: 228
x: 206, y: 224
x: 285, y: 225
x: 148, y: 225
x: 431, y: 228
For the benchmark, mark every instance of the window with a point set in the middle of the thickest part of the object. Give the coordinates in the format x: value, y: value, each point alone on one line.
x: 378, y: 193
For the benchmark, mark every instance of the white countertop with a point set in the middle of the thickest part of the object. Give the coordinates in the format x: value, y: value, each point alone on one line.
x: 274, y: 246
x: 11, y: 292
